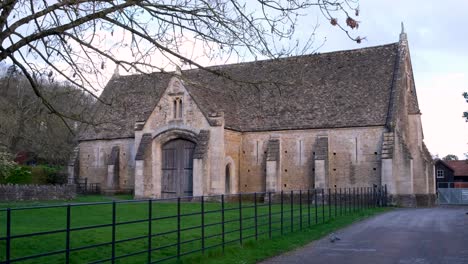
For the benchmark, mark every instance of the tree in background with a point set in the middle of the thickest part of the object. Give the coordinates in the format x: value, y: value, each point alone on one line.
x: 450, y: 157
x: 27, y: 126
x: 76, y: 40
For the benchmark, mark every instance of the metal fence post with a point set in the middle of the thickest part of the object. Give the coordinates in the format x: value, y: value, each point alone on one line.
x: 282, y: 211
x: 381, y: 196
x: 150, y: 228
x: 366, y: 197
x: 113, y: 231
x: 354, y: 199
x: 8, y: 236
x: 350, y: 201
x: 202, y: 204
x: 345, y: 201
x: 323, y: 205
x: 292, y: 212
x: 300, y: 209
x: 269, y: 215
x: 341, y: 203
x: 178, y: 228
x: 255, y: 216
x: 315, y: 205
x: 369, y: 197
x: 240, y: 218
x: 335, y: 203
x: 376, y: 199
x: 329, y: 204
x: 385, y: 196
x: 308, y: 206
x: 67, y: 236
x: 363, y: 198
x: 222, y: 221
x: 360, y: 198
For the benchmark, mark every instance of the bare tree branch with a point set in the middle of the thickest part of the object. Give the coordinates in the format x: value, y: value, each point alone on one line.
x: 75, y: 40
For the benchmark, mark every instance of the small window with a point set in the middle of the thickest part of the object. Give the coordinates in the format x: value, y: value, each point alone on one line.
x: 180, y: 108
x: 177, y: 108
x: 440, y: 174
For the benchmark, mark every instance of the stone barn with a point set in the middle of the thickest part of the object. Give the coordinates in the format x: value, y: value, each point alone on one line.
x: 338, y: 119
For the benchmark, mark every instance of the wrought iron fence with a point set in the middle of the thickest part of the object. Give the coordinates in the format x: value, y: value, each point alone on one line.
x: 85, y: 187
x: 160, y: 230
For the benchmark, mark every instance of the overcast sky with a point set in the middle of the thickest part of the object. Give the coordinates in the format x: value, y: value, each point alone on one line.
x: 438, y: 43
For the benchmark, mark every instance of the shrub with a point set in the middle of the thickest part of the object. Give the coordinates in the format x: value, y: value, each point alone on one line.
x: 20, y: 175
x: 46, y: 174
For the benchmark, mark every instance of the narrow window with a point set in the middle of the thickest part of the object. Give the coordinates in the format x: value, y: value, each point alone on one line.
x: 180, y: 108
x: 227, y: 186
x: 177, y: 108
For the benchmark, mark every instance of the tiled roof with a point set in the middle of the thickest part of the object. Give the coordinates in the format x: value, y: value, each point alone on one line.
x: 329, y: 90
x: 460, y: 167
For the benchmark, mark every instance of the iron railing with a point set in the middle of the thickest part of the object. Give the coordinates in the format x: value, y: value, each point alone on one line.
x: 85, y: 187
x: 160, y: 230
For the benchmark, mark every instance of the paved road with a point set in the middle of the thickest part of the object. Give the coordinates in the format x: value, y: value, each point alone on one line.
x: 404, y: 236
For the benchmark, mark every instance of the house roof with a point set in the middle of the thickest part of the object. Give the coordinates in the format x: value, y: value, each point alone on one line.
x: 444, y: 163
x: 329, y: 90
x: 460, y: 167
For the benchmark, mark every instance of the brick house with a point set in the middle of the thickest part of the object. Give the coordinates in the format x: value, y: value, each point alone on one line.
x: 345, y: 119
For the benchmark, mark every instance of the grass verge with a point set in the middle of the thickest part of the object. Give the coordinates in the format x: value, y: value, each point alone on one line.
x: 255, y: 251
x: 91, y: 230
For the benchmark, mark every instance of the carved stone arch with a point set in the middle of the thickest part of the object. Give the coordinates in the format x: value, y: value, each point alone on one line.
x: 230, y: 176
x: 175, y: 148
x: 175, y: 133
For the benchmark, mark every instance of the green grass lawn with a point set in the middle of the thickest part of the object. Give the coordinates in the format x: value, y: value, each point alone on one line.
x: 133, y: 237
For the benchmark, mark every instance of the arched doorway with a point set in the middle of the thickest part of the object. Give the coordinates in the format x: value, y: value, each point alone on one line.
x: 227, y: 186
x: 177, y: 166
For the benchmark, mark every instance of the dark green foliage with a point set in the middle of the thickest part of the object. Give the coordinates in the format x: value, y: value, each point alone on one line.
x: 42, y: 174
x: 20, y: 175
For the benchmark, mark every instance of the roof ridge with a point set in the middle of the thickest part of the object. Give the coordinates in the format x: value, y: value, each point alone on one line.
x: 335, y: 52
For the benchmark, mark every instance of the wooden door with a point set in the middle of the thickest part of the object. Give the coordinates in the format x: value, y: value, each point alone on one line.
x: 177, y: 166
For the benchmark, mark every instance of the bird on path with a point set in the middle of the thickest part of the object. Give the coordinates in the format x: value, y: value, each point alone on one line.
x: 334, y: 238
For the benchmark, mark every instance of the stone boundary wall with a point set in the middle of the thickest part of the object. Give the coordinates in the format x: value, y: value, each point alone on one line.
x: 28, y: 192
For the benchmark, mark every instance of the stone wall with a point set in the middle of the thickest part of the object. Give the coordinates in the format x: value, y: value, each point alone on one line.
x: 354, y: 157
x: 94, y: 161
x: 12, y: 192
